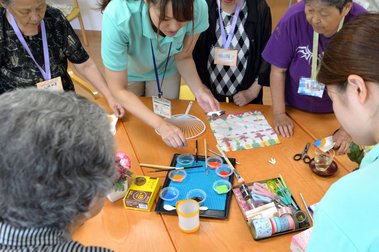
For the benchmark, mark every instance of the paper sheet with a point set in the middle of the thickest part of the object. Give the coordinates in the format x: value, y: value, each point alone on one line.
x: 243, y: 131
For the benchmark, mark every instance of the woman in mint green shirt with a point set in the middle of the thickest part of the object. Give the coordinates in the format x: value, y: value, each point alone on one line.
x: 135, y: 30
x: 347, y: 217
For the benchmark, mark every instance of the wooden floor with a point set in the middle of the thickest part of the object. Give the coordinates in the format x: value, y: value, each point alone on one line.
x: 278, y: 8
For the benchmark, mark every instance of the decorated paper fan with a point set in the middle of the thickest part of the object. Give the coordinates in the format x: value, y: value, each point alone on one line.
x: 190, y: 125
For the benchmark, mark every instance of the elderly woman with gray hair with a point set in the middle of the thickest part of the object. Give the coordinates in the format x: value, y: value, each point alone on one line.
x: 56, y: 166
x: 36, y: 41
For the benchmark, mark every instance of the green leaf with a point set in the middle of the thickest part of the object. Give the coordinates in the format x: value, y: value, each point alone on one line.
x: 355, y: 154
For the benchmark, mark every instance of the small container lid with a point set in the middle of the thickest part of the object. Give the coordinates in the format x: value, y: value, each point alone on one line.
x: 222, y: 186
x: 197, y: 195
x: 185, y: 160
x: 214, y: 162
x: 224, y: 171
x: 169, y: 193
x: 177, y: 175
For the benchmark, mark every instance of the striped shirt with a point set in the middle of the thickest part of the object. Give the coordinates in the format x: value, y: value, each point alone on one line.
x: 40, y: 239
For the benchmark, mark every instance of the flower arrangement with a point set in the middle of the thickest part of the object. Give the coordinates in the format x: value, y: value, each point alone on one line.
x: 123, y: 172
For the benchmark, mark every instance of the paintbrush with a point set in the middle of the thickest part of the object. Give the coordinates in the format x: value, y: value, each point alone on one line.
x: 178, y: 168
x: 153, y: 166
x: 206, y: 156
x: 218, y: 154
x: 197, y: 152
x: 238, y: 176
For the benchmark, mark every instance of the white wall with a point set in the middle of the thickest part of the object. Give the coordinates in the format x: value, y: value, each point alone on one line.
x: 90, y: 14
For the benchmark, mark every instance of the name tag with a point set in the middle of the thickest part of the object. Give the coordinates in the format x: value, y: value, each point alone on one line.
x: 162, y: 106
x: 225, y: 57
x: 310, y: 87
x: 51, y: 85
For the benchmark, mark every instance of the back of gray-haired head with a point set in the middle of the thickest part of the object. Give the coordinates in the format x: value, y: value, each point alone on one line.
x: 56, y: 155
x: 339, y: 4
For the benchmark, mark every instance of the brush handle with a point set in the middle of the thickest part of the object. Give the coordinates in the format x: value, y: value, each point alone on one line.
x: 159, y: 166
x: 188, y: 107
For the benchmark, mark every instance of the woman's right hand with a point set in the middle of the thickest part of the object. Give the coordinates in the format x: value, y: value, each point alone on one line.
x: 172, y: 135
x: 283, y: 125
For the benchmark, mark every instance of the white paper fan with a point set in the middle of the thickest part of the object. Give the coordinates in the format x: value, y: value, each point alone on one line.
x: 190, y: 125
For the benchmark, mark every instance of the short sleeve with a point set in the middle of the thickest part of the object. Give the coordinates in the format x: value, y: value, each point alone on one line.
x: 201, y: 18
x: 114, y: 45
x: 279, y: 49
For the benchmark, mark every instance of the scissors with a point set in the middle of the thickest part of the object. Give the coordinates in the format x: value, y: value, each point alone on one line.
x: 304, y: 155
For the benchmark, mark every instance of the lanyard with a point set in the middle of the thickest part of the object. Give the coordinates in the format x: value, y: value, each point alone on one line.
x: 159, y: 85
x: 45, y: 73
x: 226, y: 42
x: 315, y: 50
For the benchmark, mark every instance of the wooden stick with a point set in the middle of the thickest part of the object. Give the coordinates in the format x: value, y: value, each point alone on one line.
x: 159, y: 166
x: 238, y: 176
x: 205, y: 156
x: 306, y: 207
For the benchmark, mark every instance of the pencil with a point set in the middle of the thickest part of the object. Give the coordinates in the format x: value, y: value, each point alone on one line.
x: 306, y: 206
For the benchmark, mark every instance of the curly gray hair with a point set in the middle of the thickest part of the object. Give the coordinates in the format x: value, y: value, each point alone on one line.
x: 56, y: 155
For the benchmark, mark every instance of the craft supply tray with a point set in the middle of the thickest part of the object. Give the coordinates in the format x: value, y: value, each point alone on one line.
x: 256, y: 232
x: 218, y: 204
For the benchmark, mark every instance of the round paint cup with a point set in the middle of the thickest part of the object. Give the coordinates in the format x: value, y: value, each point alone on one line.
x: 185, y: 160
x: 169, y: 193
x: 222, y: 186
x: 224, y: 171
x: 177, y: 175
x: 197, y: 195
x: 188, y: 215
x: 214, y: 162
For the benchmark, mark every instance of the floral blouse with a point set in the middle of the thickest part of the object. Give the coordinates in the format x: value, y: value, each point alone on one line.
x: 18, y: 70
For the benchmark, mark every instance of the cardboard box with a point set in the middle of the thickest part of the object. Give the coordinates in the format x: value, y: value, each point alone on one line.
x: 142, y: 193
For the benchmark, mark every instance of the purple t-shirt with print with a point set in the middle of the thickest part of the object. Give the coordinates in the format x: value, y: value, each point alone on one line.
x: 290, y: 47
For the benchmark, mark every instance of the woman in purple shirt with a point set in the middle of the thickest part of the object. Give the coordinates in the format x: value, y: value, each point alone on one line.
x: 290, y: 52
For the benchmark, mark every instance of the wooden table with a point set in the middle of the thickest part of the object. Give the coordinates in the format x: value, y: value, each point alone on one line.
x: 120, y: 229
x: 128, y: 230
x: 319, y: 126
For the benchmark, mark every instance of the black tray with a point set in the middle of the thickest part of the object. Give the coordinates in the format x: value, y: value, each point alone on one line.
x: 214, y: 214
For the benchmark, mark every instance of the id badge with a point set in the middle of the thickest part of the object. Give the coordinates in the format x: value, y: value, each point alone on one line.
x: 225, y: 57
x: 308, y: 86
x: 51, y: 85
x: 162, y: 106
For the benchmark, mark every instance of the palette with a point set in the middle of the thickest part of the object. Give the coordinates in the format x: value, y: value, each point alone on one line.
x: 197, y: 178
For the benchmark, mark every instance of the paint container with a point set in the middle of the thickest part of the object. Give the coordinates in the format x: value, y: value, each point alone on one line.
x: 224, y: 171
x: 188, y: 215
x: 169, y: 193
x: 222, y: 186
x: 214, y: 162
x: 197, y: 195
x: 177, y: 175
x: 185, y: 160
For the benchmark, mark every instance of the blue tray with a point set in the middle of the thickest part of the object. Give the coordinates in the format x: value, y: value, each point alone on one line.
x: 218, y: 204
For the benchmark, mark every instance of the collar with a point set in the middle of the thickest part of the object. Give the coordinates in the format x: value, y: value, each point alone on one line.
x: 25, y: 237
x: 371, y: 156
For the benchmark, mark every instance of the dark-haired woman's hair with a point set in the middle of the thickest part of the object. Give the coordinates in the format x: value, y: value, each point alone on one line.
x: 182, y: 9
x: 353, y: 50
x: 339, y: 4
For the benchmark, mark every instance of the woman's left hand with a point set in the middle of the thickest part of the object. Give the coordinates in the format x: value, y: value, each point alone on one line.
x: 117, y: 109
x: 342, y: 141
x: 246, y: 96
x: 206, y: 100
